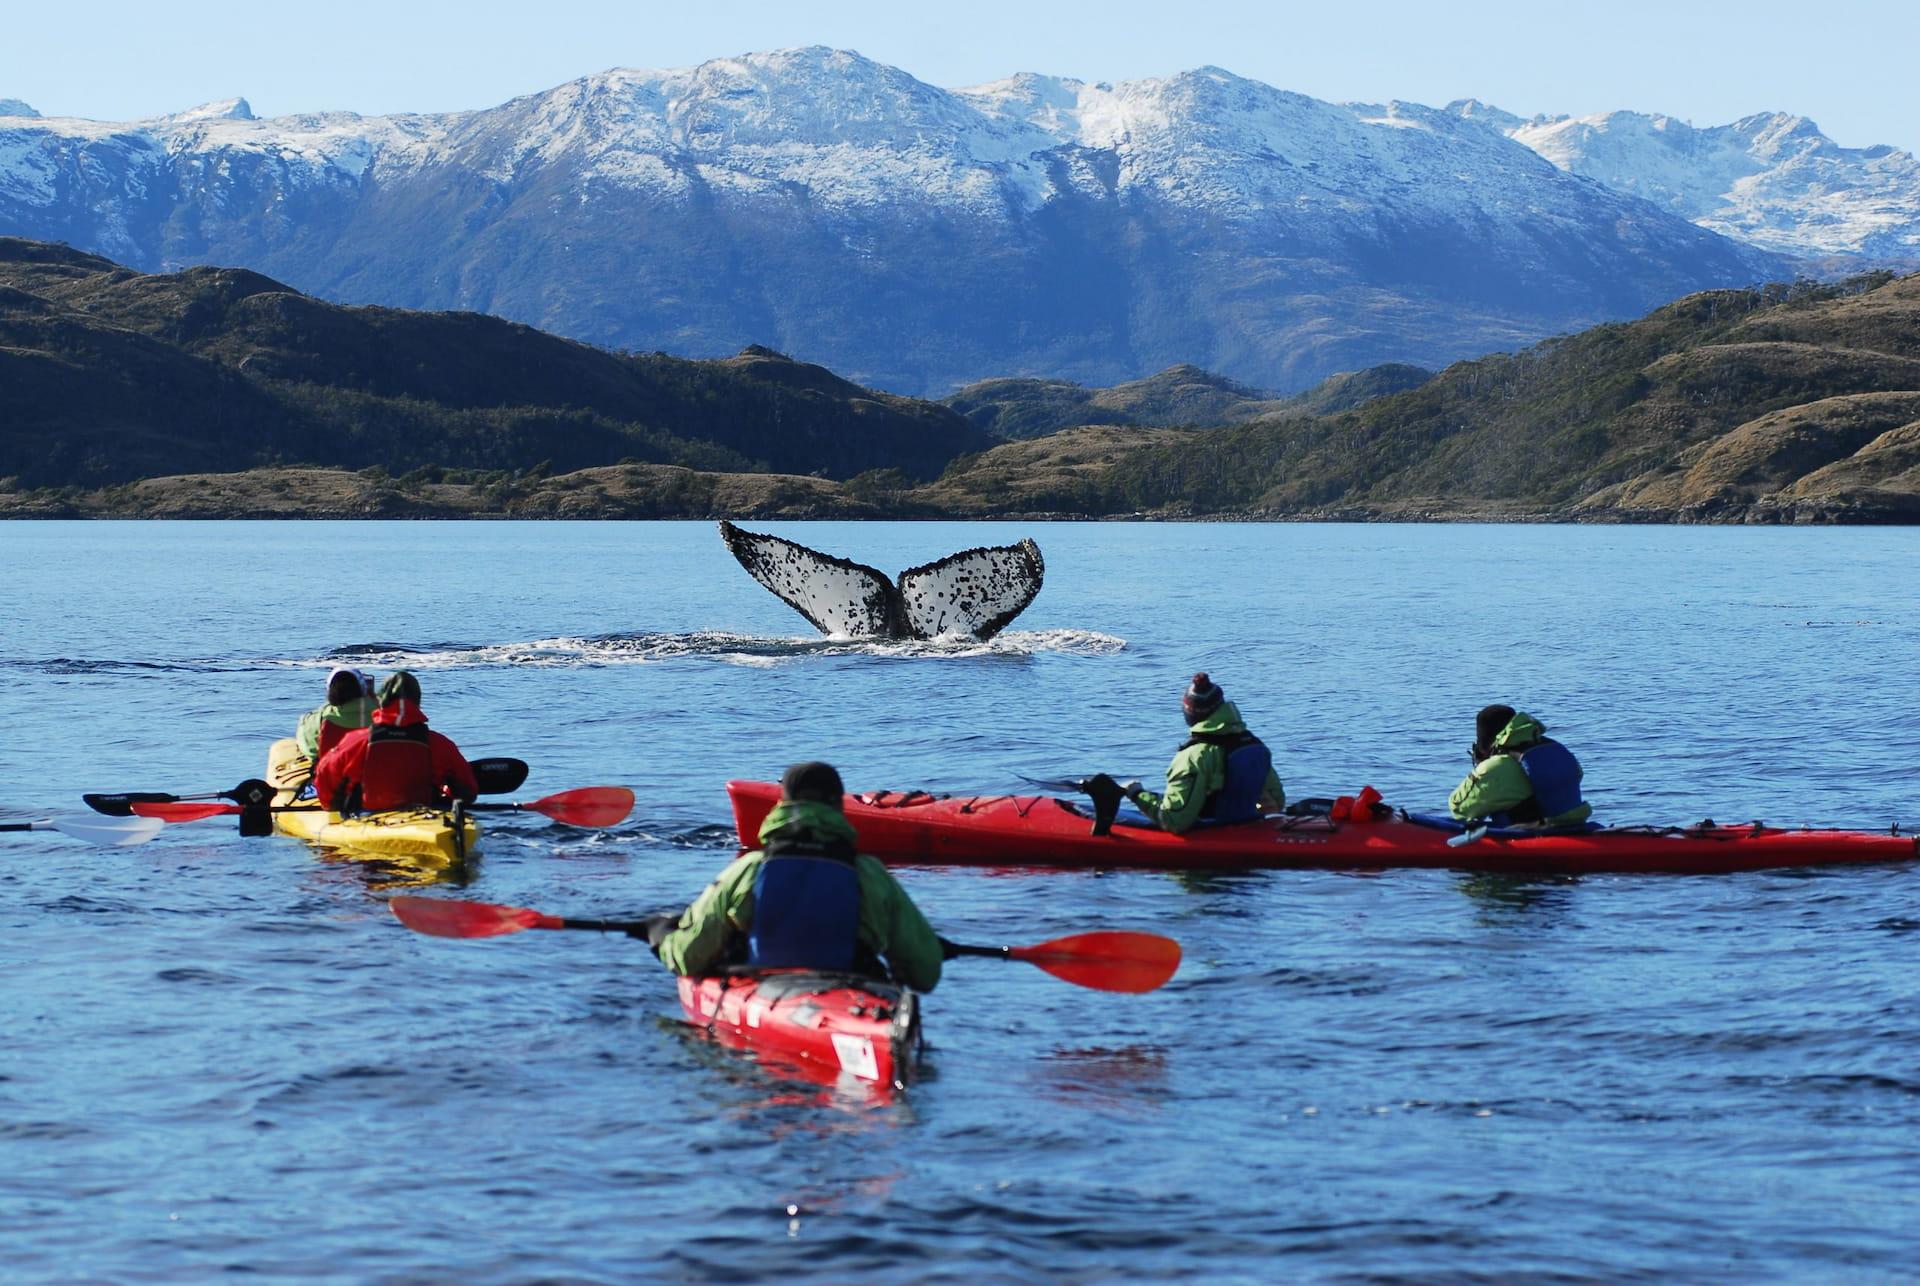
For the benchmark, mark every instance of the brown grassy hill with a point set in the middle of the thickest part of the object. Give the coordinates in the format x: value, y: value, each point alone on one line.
x: 1016, y: 409
x: 111, y: 375
x: 1185, y: 395
x: 1612, y: 422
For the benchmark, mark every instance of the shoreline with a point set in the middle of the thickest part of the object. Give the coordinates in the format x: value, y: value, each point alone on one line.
x: 626, y: 493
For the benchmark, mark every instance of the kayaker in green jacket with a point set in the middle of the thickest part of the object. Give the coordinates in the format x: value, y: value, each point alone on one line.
x: 349, y: 706
x: 805, y: 899
x: 1520, y: 775
x: 1221, y: 773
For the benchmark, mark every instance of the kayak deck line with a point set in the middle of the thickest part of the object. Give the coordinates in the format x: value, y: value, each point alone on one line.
x: 918, y: 827
x: 825, y: 1028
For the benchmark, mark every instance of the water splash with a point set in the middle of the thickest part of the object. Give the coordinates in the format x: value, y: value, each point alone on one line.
x: 756, y: 651
x: 759, y: 651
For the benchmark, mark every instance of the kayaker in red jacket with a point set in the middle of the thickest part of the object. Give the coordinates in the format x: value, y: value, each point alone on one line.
x: 397, y: 763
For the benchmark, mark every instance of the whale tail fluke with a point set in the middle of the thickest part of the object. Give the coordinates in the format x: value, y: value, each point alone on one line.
x: 975, y: 592
x: 835, y: 595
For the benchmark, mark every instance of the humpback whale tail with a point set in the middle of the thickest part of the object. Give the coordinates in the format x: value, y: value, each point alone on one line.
x: 976, y: 591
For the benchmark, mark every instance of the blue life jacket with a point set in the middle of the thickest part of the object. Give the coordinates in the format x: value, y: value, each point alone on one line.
x: 1248, y: 763
x: 1554, y: 774
x: 806, y: 907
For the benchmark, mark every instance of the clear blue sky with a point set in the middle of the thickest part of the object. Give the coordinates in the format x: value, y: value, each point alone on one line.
x: 1849, y: 64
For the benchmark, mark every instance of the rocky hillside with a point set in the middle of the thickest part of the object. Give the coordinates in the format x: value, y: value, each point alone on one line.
x: 911, y: 237
x: 107, y: 375
x: 1782, y: 404
x: 1016, y: 409
x: 194, y: 395
x: 1029, y: 408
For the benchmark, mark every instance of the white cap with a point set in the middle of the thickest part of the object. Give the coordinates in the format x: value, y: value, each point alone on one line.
x: 365, y: 680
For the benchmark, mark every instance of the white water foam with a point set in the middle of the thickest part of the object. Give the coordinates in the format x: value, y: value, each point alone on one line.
x: 757, y: 651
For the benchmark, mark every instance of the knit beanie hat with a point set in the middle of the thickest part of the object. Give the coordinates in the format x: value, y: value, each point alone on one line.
x: 1202, y: 699
x: 400, y: 686
x: 812, y: 782
x: 1489, y: 723
x: 344, y: 685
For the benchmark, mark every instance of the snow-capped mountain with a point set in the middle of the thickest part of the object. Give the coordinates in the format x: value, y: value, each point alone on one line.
x: 907, y: 236
x: 1770, y: 180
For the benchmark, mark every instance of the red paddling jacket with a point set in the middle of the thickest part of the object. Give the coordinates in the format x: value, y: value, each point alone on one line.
x: 397, y: 763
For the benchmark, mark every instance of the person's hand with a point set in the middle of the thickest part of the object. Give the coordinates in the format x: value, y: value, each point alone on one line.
x: 654, y: 930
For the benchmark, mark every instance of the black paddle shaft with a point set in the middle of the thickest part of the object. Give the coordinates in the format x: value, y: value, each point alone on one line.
x: 629, y: 927
x: 952, y: 949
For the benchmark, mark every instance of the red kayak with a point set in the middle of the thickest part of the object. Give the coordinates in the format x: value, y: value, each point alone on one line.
x: 1040, y: 830
x: 826, y: 1027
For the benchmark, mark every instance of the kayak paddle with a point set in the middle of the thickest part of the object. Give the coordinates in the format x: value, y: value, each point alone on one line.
x: 1110, y: 961
x: 1467, y: 836
x: 496, y: 776
x: 588, y: 806
x: 1114, y: 960
x: 252, y: 791
x: 1059, y: 785
x: 105, y: 831
x: 451, y: 918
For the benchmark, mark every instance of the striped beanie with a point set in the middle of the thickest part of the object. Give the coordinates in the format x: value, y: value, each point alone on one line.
x: 1202, y: 699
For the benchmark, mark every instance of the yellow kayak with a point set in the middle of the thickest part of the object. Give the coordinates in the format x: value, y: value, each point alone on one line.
x: 425, y: 836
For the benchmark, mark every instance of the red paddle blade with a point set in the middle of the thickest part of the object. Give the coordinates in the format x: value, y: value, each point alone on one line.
x: 447, y: 918
x: 588, y: 806
x: 184, y: 812
x: 1112, y: 961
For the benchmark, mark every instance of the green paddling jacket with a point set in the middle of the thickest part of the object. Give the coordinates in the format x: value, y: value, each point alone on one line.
x: 716, y: 925
x: 1499, y: 785
x: 357, y: 713
x: 1198, y: 771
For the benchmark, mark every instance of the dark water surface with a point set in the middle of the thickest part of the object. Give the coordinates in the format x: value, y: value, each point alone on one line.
x: 222, y: 1055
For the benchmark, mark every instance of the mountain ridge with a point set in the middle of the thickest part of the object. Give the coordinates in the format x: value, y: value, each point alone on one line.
x: 912, y: 237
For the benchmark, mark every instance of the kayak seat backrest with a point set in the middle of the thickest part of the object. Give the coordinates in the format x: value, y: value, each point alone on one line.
x: 1452, y: 825
x: 783, y: 986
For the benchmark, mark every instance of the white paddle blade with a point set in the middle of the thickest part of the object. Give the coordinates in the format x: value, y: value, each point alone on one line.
x: 976, y: 591
x: 836, y: 596
x: 108, y: 832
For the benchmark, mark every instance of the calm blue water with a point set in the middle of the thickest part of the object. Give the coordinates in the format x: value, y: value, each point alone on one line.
x: 223, y: 1056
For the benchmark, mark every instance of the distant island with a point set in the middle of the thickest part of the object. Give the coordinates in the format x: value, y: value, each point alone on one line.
x: 221, y: 393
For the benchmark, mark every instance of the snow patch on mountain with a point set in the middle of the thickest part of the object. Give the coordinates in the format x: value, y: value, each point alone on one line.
x: 1772, y: 180
x: 226, y: 109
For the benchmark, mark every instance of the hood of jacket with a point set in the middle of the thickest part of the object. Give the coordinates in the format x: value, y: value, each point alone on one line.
x: 1522, y: 730
x: 399, y: 714
x: 798, y: 818
x: 1224, y: 720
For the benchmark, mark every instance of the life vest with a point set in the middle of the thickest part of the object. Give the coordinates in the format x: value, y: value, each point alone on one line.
x: 331, y: 735
x: 1248, y: 763
x: 1554, y: 774
x: 806, y: 907
x: 398, y: 769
